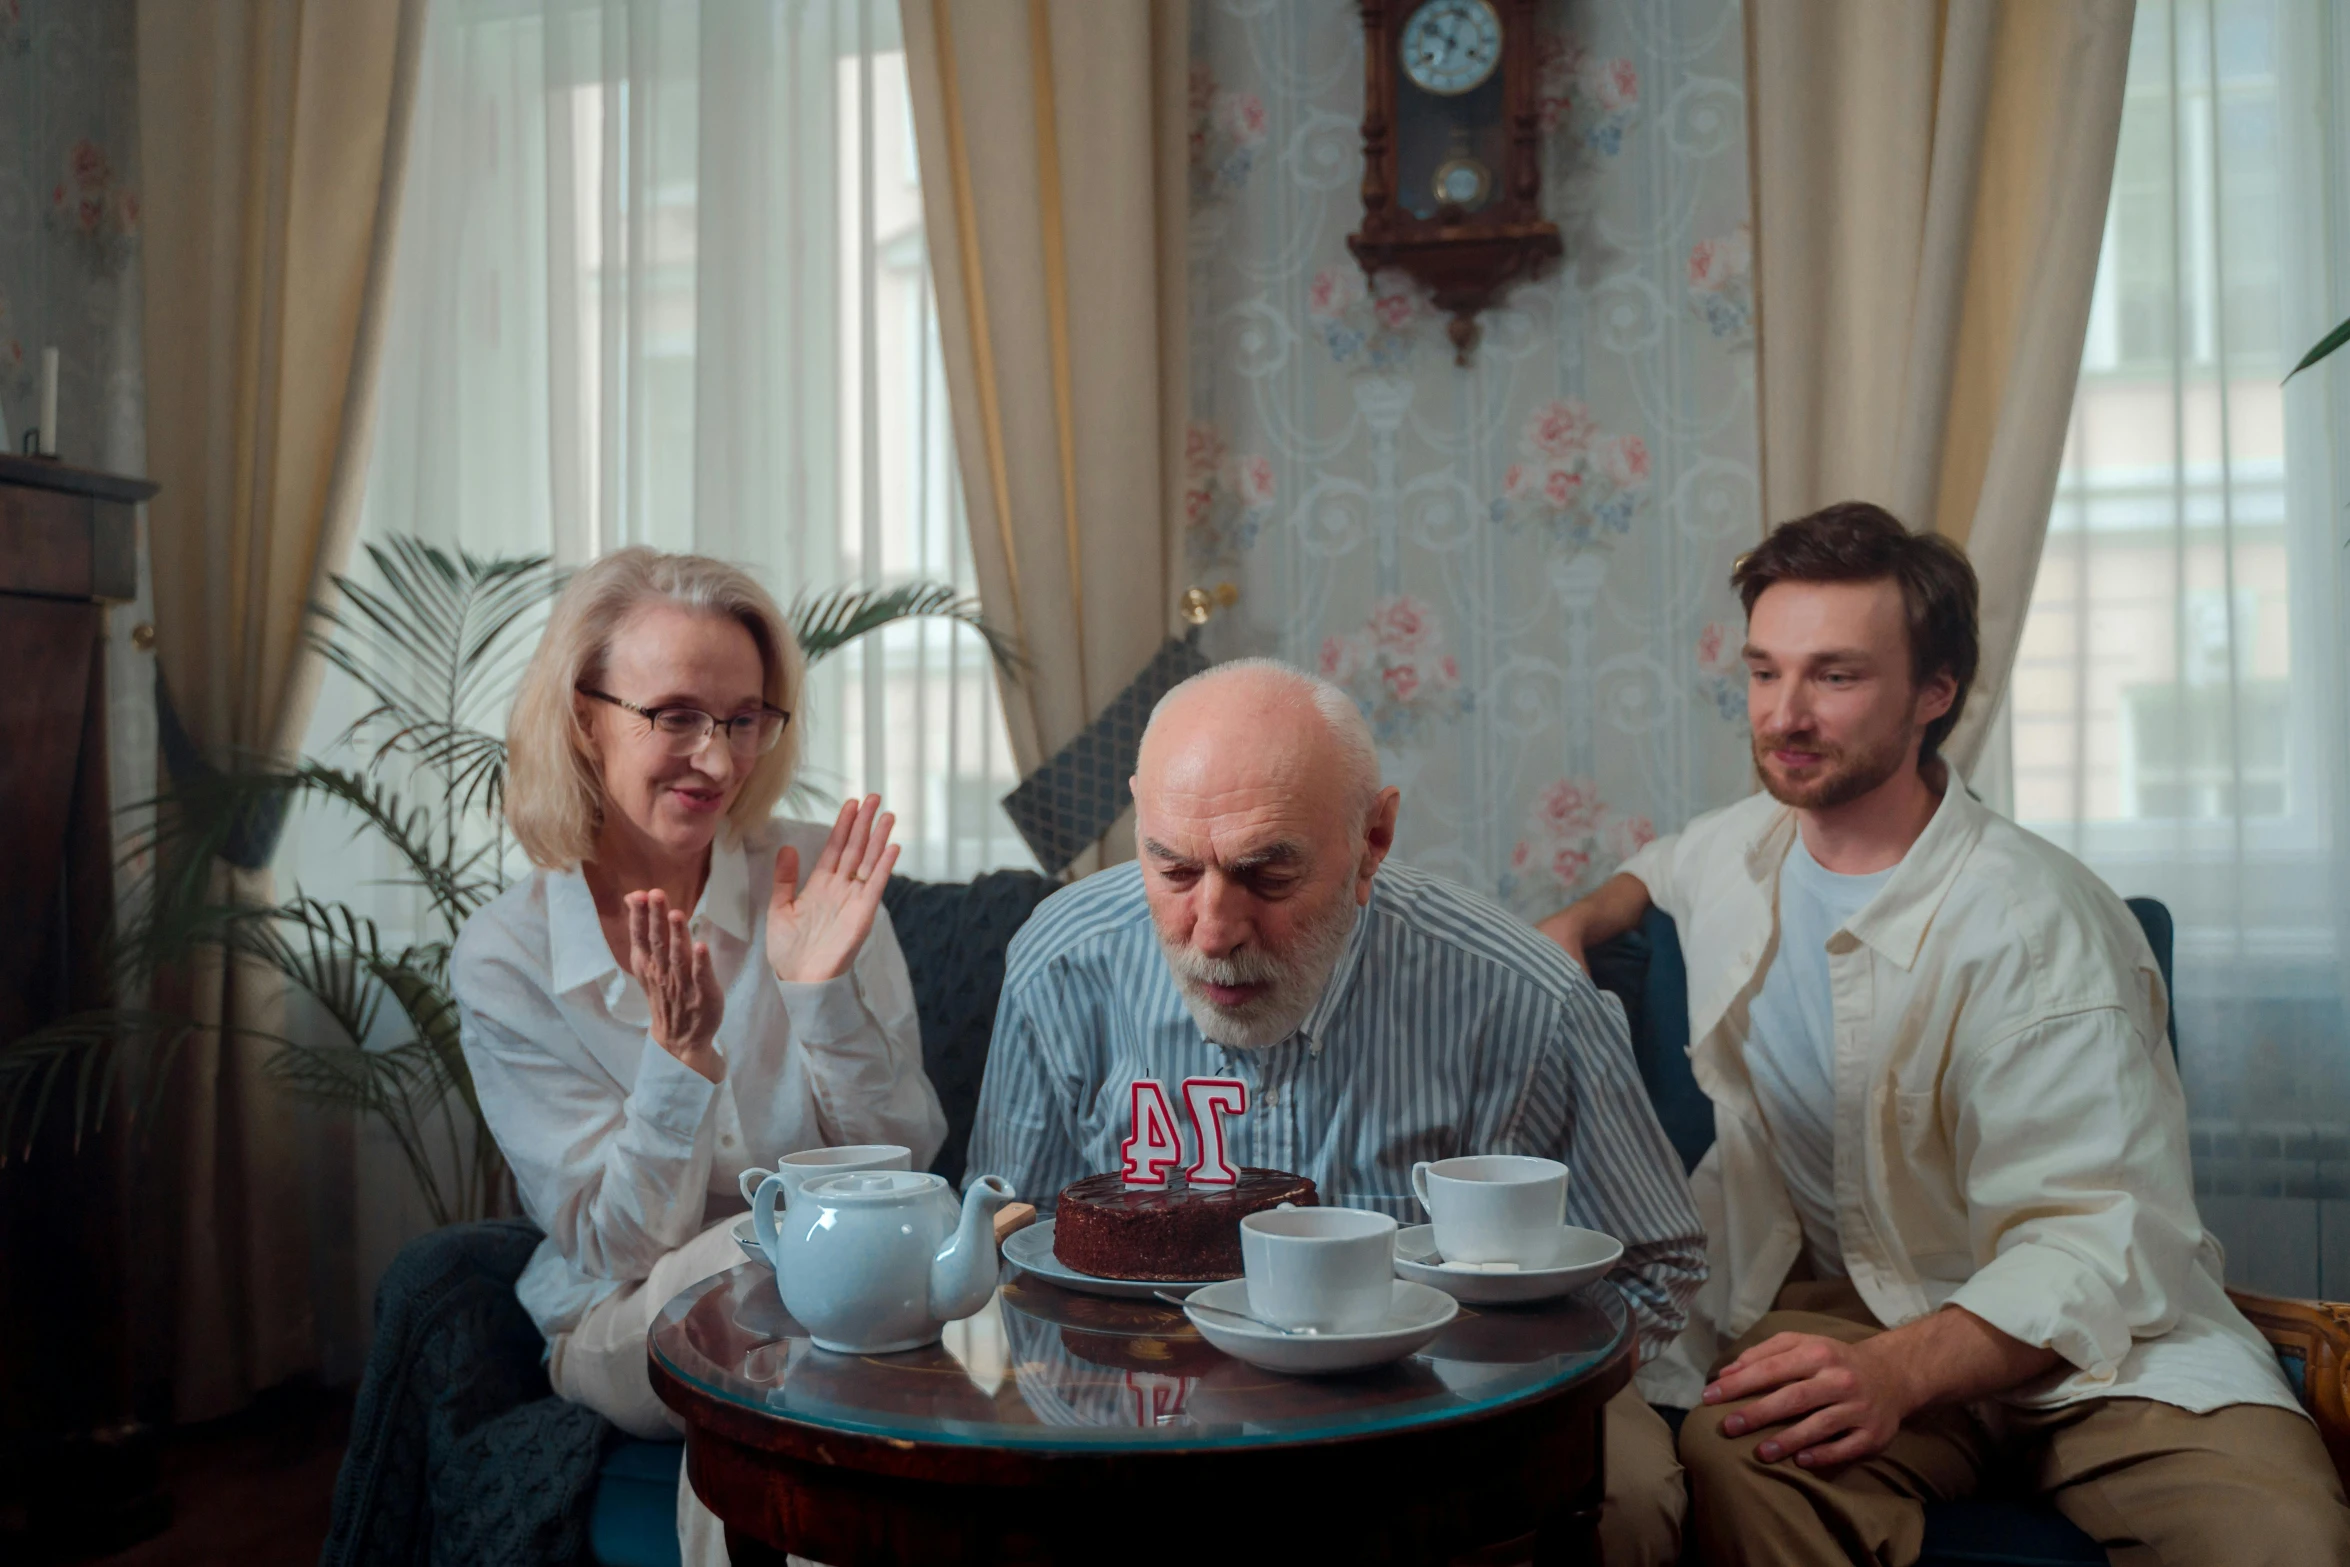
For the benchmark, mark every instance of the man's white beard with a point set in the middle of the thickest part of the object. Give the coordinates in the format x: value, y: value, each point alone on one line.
x: 1293, y: 986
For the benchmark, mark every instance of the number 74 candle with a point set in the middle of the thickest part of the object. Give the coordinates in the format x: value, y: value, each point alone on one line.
x: 1153, y: 1146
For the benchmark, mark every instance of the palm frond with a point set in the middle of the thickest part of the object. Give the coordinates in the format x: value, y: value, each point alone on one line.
x: 432, y: 1014
x: 409, y: 831
x: 177, y: 905
x: 2321, y: 348
x: 830, y: 621
x: 470, y: 761
x: 95, y: 1056
x: 439, y: 634
x: 365, y: 1082
x: 399, y: 1088
x: 328, y: 951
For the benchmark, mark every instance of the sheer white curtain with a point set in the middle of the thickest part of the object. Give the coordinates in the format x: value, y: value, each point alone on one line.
x: 661, y: 279
x: 2177, y: 714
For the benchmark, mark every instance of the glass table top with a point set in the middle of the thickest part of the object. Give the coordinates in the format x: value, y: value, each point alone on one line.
x: 1044, y: 1367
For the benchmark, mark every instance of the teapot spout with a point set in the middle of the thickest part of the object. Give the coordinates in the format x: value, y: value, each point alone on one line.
x: 963, y: 1274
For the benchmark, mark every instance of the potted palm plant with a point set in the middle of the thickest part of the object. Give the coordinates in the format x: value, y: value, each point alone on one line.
x: 435, y: 639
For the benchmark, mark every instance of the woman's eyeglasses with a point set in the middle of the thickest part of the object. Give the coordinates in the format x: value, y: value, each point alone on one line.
x: 685, y: 730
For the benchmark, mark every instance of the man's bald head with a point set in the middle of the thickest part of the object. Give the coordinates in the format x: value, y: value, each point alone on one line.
x: 1258, y: 714
x: 1261, y: 822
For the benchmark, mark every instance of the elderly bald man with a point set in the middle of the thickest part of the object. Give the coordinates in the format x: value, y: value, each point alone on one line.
x: 1378, y: 1014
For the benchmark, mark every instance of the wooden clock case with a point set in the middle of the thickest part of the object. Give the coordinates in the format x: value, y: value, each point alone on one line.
x: 1464, y: 259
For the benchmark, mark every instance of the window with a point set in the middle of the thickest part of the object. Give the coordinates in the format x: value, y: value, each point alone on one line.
x: 662, y: 280
x: 2198, y: 157
x: 2205, y: 752
x: 2177, y: 706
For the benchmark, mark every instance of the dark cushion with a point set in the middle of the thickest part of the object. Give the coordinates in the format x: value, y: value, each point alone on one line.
x: 2155, y: 920
x: 954, y: 935
x: 635, y: 1521
x: 1642, y: 968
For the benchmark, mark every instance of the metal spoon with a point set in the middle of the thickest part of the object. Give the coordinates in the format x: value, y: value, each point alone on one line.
x: 1173, y: 1299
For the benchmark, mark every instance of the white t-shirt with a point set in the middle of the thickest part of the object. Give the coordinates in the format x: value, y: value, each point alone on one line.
x: 1791, y: 1046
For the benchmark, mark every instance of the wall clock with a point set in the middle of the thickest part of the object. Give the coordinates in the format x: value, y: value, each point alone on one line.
x: 1452, y: 158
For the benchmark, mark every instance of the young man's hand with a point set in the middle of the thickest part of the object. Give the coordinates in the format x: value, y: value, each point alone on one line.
x: 1840, y: 1401
x: 1843, y: 1402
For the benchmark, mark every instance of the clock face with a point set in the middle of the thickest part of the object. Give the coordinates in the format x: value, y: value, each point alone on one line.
x: 1451, y: 46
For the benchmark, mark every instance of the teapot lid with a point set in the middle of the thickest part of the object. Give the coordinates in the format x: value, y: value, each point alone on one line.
x: 872, y: 1185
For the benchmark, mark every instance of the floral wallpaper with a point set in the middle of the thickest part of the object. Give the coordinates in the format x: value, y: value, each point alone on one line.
x: 69, y: 224
x: 1520, y: 569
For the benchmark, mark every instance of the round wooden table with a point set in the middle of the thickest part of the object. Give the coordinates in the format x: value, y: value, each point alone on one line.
x: 1060, y: 1427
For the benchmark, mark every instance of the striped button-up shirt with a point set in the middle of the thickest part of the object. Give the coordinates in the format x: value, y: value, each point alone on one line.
x: 1448, y: 1027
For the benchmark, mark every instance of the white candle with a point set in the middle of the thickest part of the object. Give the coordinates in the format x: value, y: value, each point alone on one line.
x: 48, y: 402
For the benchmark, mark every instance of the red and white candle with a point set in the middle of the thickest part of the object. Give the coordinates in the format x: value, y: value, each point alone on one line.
x: 1154, y: 1146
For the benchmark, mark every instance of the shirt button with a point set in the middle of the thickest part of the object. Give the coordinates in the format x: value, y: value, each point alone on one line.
x: 1272, y: 1096
x: 726, y: 1141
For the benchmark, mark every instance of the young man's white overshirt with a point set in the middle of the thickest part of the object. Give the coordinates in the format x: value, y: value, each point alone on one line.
x: 2011, y: 1135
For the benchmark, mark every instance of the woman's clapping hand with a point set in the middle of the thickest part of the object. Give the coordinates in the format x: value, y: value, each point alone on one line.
x: 813, y: 932
x: 680, y: 987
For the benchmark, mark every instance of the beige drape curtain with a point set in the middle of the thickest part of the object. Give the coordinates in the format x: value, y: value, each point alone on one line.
x: 1054, y: 183
x: 1930, y: 187
x: 272, y: 133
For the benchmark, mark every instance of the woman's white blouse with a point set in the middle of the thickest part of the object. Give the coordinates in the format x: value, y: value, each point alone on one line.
x: 620, y: 1151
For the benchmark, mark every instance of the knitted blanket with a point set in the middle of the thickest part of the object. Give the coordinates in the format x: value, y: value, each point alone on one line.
x: 459, y: 1452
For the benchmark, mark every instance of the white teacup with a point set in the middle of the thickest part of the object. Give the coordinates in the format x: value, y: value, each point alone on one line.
x: 1494, y: 1207
x: 796, y: 1170
x: 1330, y: 1269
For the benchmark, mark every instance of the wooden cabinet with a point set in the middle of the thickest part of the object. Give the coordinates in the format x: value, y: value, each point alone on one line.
x: 68, y: 548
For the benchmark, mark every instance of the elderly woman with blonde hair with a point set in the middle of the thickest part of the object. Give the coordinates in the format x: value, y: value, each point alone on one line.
x: 681, y: 988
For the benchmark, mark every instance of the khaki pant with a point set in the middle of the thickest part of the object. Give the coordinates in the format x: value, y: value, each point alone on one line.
x: 1640, y: 1523
x: 601, y: 1363
x: 2157, y: 1486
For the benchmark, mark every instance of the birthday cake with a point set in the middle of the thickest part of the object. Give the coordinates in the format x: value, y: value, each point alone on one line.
x: 1114, y: 1231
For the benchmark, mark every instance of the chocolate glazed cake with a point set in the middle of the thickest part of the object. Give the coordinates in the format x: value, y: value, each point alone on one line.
x: 1113, y: 1231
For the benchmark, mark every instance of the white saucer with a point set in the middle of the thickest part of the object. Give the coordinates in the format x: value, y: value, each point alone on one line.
x: 748, y: 1239
x: 1583, y: 1255
x: 1416, y: 1315
x: 1031, y: 1250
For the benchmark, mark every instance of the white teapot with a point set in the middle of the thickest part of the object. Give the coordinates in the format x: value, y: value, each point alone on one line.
x: 880, y: 1260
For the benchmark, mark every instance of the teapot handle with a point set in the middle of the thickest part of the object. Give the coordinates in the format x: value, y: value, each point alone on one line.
x: 771, y: 1195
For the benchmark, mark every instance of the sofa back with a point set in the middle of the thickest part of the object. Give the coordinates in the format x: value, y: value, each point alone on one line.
x: 954, y: 935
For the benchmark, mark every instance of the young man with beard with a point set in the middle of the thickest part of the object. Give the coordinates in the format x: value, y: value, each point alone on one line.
x: 1378, y: 1016
x: 1952, y: 1221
